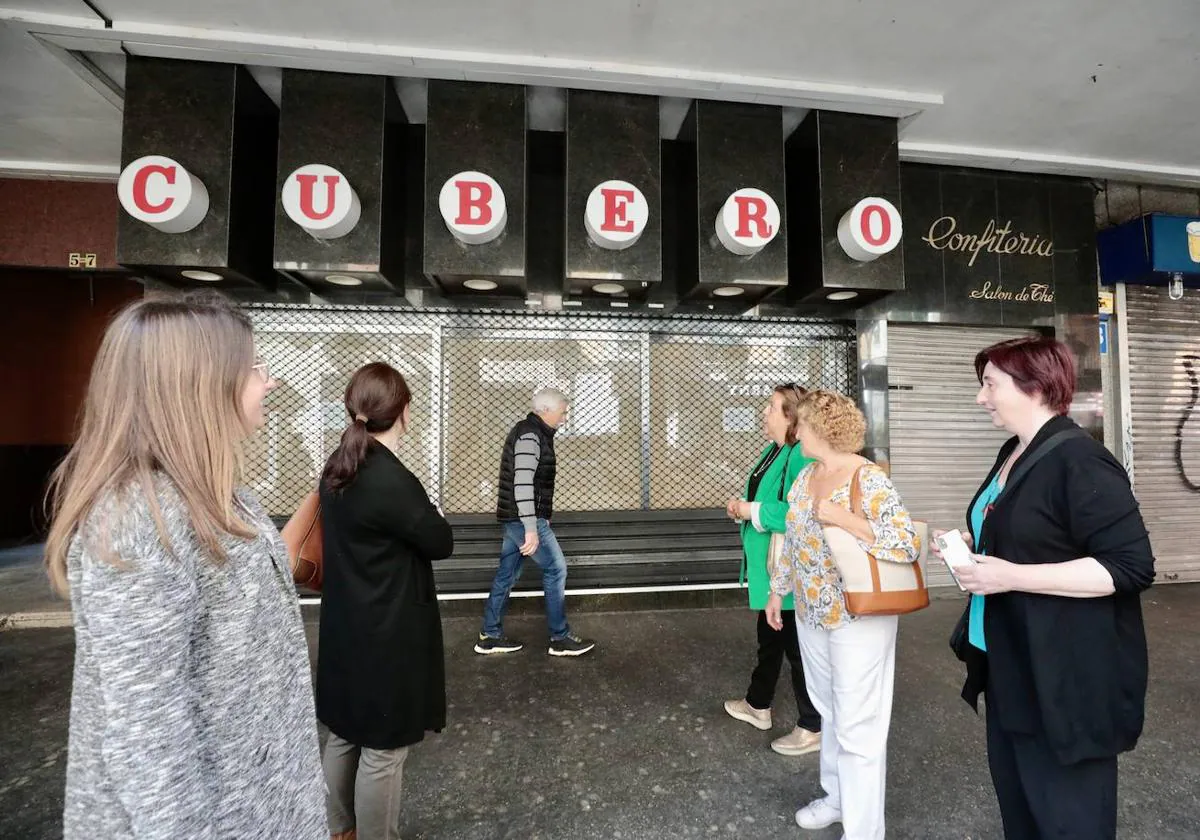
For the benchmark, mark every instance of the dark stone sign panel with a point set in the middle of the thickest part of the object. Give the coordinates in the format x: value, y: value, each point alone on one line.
x: 215, y: 121
x: 834, y: 161
x: 611, y: 136
x: 356, y: 125
x: 984, y: 247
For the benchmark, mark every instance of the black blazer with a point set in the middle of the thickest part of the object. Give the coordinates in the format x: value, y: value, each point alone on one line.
x: 1071, y: 669
x: 381, y: 678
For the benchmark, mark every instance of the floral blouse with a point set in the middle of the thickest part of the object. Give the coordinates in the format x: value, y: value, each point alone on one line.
x: 807, y: 566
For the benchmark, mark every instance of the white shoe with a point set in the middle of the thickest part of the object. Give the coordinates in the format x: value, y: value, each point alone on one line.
x: 818, y: 814
x: 743, y: 711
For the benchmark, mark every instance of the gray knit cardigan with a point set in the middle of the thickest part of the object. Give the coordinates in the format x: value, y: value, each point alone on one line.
x: 191, y: 713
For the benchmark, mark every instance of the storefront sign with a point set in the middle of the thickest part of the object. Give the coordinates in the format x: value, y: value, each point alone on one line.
x: 1106, y: 303
x: 748, y: 221
x: 870, y: 229
x: 1032, y: 293
x: 1174, y: 243
x: 160, y: 192
x: 319, y: 199
x: 616, y: 215
x: 473, y: 207
x: 991, y: 248
x: 995, y: 239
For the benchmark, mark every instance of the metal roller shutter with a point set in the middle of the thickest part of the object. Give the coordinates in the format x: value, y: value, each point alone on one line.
x: 663, y: 425
x: 1164, y: 373
x: 942, y: 444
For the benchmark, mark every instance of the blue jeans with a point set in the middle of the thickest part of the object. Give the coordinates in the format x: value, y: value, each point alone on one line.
x: 554, y: 579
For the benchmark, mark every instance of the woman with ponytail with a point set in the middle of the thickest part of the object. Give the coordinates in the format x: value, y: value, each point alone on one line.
x: 380, y: 675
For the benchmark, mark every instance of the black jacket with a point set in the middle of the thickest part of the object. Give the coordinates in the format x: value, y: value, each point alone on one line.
x: 1072, y: 669
x: 525, y: 494
x: 381, y: 680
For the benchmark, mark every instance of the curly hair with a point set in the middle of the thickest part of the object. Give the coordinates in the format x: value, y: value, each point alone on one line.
x: 835, y: 419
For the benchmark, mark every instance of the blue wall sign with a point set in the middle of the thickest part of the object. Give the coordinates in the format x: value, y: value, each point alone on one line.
x: 1175, y: 243
x: 1149, y: 249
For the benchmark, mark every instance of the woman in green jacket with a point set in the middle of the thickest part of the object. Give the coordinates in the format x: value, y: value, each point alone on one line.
x: 765, y: 513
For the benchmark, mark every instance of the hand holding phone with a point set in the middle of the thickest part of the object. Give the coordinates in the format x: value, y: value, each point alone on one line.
x: 954, y: 552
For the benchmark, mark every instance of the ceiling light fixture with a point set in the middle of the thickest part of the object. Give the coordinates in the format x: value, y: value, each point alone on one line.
x: 728, y: 291
x: 479, y: 284
x: 608, y: 288
x: 343, y: 280
x: 846, y: 295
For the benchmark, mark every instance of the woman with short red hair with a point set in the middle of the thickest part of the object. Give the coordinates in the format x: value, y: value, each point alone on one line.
x: 1053, y: 632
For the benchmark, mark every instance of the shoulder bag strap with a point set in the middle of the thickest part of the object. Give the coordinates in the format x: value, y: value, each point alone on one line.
x: 856, y: 507
x: 1018, y: 475
x: 1042, y: 451
x: 856, y: 491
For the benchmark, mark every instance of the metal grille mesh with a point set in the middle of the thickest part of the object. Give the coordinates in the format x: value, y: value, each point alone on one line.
x: 665, y: 412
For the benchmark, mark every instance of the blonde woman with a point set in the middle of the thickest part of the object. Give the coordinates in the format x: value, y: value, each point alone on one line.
x: 849, y: 661
x: 191, y: 710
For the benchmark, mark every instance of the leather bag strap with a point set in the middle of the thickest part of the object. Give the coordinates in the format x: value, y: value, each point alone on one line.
x: 856, y: 507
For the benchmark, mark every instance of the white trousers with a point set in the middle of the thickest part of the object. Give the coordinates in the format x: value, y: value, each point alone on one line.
x: 850, y: 672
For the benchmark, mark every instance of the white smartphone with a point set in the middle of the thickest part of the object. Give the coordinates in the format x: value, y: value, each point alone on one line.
x: 955, y: 553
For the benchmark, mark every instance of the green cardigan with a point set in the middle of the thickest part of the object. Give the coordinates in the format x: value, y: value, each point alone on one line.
x: 769, y: 508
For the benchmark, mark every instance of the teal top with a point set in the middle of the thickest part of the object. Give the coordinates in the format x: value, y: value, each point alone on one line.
x: 978, y: 514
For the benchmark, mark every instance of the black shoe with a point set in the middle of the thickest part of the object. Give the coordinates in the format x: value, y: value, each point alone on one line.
x: 570, y: 645
x: 488, y: 645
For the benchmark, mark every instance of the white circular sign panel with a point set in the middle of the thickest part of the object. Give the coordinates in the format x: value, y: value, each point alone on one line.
x: 748, y: 221
x: 319, y: 199
x: 473, y: 207
x: 870, y: 229
x: 616, y: 215
x: 158, y: 191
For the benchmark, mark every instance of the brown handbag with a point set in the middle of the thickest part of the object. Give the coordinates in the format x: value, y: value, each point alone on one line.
x: 875, y: 587
x: 303, y: 537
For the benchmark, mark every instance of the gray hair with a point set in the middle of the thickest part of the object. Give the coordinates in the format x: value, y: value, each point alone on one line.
x: 548, y: 399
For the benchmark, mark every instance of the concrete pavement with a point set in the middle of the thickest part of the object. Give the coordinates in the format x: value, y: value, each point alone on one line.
x: 631, y: 742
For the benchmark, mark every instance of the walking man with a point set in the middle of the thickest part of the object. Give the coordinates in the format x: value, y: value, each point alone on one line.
x: 525, y: 507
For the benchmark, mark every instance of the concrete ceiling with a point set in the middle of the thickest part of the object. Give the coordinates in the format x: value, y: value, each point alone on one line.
x: 49, y: 116
x: 1074, y: 87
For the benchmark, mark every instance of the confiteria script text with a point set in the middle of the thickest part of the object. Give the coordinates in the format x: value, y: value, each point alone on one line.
x: 995, y: 239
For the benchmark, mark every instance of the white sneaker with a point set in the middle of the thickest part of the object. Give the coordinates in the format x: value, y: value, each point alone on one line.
x: 818, y: 814
x: 743, y: 711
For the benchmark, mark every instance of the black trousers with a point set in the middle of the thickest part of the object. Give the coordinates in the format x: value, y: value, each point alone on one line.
x: 772, y: 645
x: 1041, y: 799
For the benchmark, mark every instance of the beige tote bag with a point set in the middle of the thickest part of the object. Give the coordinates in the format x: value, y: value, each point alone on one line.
x: 877, y: 587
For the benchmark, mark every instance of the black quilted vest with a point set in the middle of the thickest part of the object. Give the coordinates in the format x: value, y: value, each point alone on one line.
x: 543, y: 478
